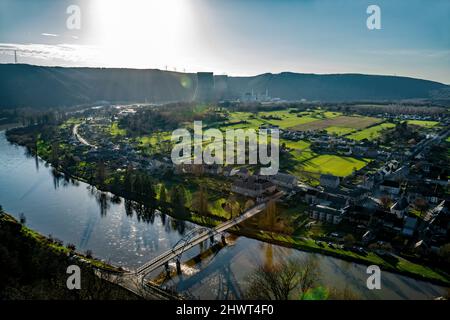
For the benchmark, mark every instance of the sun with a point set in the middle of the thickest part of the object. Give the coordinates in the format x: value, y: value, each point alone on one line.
x: 140, y: 33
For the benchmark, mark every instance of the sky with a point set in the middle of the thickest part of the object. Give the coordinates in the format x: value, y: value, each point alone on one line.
x: 234, y: 37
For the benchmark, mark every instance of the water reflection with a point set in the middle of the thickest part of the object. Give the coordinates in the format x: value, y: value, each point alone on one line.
x: 178, y: 225
x: 36, y: 161
x: 56, y: 178
x: 103, y: 202
x: 62, y: 180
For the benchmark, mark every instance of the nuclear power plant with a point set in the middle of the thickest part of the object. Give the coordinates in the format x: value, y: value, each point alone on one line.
x: 205, y: 87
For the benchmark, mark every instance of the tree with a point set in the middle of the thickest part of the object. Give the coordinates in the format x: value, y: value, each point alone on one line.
x: 280, y: 281
x: 148, y: 191
x: 178, y: 200
x: 249, y: 204
x: 89, y: 254
x: 54, y: 158
x: 349, y: 239
x: 421, y: 205
x: 163, y: 197
x: 129, y: 180
x: 200, y: 203
x: 386, y: 202
x: 22, y: 218
x: 232, y: 206
x: 268, y: 218
x: 100, y: 174
x: 444, y: 252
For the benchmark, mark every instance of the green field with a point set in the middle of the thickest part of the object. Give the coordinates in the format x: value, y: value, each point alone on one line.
x: 332, y: 164
x: 307, y: 162
x: 116, y: 131
x: 155, y: 138
x: 287, y: 119
x: 299, y: 145
x: 422, y: 123
x: 340, y: 124
x: 370, y: 133
x: 340, y: 131
x: 303, y: 161
x: 281, y: 118
x: 299, y: 150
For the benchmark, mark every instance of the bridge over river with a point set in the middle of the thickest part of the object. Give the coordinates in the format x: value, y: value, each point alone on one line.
x: 199, y: 235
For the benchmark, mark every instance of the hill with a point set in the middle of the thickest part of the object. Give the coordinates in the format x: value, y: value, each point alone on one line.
x: 36, y: 86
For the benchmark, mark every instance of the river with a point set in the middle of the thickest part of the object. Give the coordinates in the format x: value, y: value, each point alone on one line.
x: 76, y: 213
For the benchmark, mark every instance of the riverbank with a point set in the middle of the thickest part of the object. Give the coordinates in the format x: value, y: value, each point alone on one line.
x: 399, y: 266
x: 34, y: 267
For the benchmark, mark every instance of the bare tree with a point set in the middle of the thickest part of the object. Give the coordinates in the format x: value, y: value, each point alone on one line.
x: 281, y: 281
x: 200, y: 202
x: 386, y: 202
x: 267, y: 219
x: 421, y: 205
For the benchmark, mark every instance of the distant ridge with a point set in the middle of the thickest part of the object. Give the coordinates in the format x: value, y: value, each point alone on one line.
x: 36, y: 86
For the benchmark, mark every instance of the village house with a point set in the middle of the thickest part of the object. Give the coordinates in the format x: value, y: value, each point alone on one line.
x: 226, y: 171
x: 438, y: 219
x: 399, y: 174
x: 242, y: 173
x: 213, y: 169
x: 391, y: 187
x: 360, y: 151
x: 400, y: 208
x: 326, y: 214
x: 311, y: 196
x: 329, y: 181
x: 368, y: 182
x: 253, y: 187
x: 332, y: 200
x: 187, y: 168
x: 282, y: 180
x: 432, y: 193
x: 358, y: 215
x: 367, y: 237
x: 409, y: 227
x: 387, y: 221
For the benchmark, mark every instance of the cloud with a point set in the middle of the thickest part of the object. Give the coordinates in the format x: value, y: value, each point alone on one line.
x: 411, y: 52
x: 70, y: 53
x: 49, y: 34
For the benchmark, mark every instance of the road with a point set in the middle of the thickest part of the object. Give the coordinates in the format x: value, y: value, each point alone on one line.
x: 79, y: 137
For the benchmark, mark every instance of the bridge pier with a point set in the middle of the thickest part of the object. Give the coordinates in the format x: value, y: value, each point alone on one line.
x: 223, y: 239
x: 178, y: 266
x: 166, y: 267
x: 211, y: 239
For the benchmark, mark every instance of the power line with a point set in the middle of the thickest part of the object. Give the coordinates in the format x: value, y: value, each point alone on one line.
x: 8, y: 50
